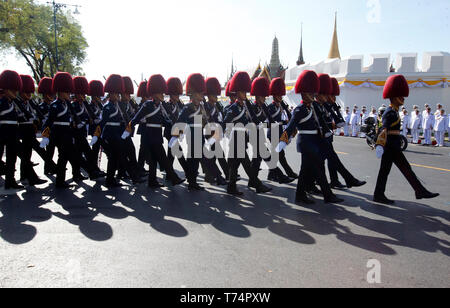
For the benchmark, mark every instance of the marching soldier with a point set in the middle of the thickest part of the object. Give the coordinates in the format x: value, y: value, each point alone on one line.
x: 215, y: 118
x: 84, y: 120
x: 142, y: 156
x: 276, y: 111
x: 261, y: 89
x: 309, y: 141
x: 110, y: 130
x: 11, y: 84
x: 326, y: 122
x: 389, y: 143
x: 128, y: 110
x: 152, y: 134
x: 96, y: 91
x: 238, y: 114
x: 196, y: 88
x: 45, y: 89
x: 59, y: 128
x: 173, y: 109
x: 2, y: 148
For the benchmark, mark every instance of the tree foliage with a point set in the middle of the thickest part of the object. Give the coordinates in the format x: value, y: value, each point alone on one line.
x: 27, y: 28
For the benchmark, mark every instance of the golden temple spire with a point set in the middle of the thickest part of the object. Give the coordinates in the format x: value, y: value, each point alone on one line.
x: 334, y: 50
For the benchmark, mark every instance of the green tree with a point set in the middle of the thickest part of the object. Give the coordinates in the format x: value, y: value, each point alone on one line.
x: 27, y: 28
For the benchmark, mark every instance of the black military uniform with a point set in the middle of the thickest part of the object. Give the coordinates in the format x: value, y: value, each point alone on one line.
x: 309, y: 143
x: 9, y: 135
x: 152, y: 137
x: 276, y: 117
x: 95, y: 111
x: 128, y: 112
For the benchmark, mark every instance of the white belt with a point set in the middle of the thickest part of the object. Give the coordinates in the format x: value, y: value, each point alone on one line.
x: 239, y: 129
x: 62, y: 123
x: 196, y: 125
x: 26, y: 123
x: 112, y: 124
x: 154, y: 125
x: 308, y: 132
x: 8, y: 122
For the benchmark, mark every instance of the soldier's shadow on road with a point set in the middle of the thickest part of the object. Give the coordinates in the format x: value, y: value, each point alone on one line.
x: 173, y: 211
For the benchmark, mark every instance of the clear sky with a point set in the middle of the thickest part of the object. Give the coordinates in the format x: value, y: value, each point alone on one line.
x: 179, y: 37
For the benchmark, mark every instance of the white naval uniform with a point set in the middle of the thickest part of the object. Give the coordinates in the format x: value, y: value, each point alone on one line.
x: 415, y: 125
x: 347, y: 117
x: 355, y: 120
x: 440, y: 125
x: 428, y: 125
x: 405, y: 125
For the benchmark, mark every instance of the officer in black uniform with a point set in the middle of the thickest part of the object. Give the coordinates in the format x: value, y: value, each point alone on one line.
x: 28, y: 123
x: 327, y: 126
x: 276, y: 111
x: 95, y: 107
x: 112, y: 125
x: 59, y: 128
x: 128, y: 110
x: 305, y: 121
x: 262, y: 118
x: 215, y: 123
x: 238, y: 116
x: 11, y: 84
x: 152, y: 134
x: 389, y: 143
x: 142, y: 155
x: 173, y: 109
x: 2, y: 148
x: 45, y: 89
x: 83, y: 121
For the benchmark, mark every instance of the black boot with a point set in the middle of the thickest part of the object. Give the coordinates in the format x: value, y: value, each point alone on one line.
x: 381, y: 198
x: 356, y: 183
x: 426, y: 195
x: 337, y: 185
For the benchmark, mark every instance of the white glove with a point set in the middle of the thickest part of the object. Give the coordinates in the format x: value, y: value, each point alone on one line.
x: 94, y: 140
x: 173, y: 141
x: 281, y: 146
x: 211, y: 141
x: 380, y: 151
x: 44, y: 143
x: 125, y: 135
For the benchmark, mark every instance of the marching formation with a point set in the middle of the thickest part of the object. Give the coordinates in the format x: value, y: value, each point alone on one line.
x: 66, y: 118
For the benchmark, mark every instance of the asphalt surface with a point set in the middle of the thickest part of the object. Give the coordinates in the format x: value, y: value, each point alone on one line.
x: 136, y: 237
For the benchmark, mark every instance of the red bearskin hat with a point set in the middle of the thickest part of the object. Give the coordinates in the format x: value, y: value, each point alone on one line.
x: 307, y: 82
x: 114, y: 84
x: 325, y: 84
x: 96, y: 88
x: 156, y: 85
x: 10, y: 80
x: 195, y: 84
x: 277, y: 87
x: 80, y: 85
x: 142, y: 90
x: 228, y: 93
x: 260, y: 87
x: 128, y: 85
x: 213, y: 86
x: 241, y: 82
x: 335, y: 86
x: 45, y: 86
x: 174, y: 86
x: 396, y: 86
x: 27, y: 84
x: 62, y: 82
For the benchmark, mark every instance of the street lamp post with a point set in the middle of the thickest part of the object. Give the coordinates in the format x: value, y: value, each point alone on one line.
x: 57, y: 6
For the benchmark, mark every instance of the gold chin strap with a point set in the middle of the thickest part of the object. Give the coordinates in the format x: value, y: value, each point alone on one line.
x: 382, y: 138
x: 98, y: 131
x: 46, y: 133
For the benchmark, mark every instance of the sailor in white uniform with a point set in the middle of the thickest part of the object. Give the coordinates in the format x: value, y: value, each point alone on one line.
x: 427, y: 125
x: 355, y: 120
x: 405, y: 122
x: 415, y: 124
x: 440, y: 125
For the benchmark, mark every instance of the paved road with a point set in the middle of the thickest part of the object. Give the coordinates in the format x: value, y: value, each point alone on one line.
x: 139, y: 238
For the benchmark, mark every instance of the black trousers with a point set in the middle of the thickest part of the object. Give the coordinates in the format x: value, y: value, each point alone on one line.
x: 234, y: 164
x: 87, y: 158
x: 181, y: 160
x: 132, y: 163
x: 67, y: 152
x: 96, y: 152
x: 10, y: 145
x: 45, y: 154
x: 334, y: 162
x: 157, y: 155
x: 313, y: 168
x: 25, y: 151
x: 115, y: 150
x: 396, y: 156
x: 142, y: 156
